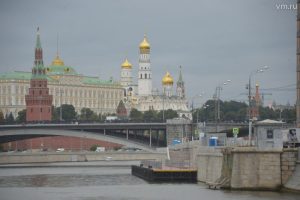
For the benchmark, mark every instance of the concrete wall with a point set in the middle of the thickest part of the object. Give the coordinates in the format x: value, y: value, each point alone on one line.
x: 288, y: 164
x: 293, y: 182
x: 254, y: 169
x: 13, y: 158
x: 178, y: 129
x: 209, y: 161
x: 248, y: 168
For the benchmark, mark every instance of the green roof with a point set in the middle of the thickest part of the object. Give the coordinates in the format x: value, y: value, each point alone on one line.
x: 18, y: 75
x: 96, y: 81
x: 21, y: 75
x: 60, y: 70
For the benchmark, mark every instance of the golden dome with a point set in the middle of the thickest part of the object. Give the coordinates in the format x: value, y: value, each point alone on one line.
x: 58, y: 62
x: 167, y: 79
x: 145, y: 44
x: 126, y: 65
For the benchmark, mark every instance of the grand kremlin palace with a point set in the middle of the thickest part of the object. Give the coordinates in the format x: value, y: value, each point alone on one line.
x: 66, y: 86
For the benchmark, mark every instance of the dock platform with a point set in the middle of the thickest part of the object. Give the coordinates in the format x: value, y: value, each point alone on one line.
x: 164, y: 175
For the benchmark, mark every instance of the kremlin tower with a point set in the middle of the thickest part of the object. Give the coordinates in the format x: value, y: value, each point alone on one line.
x: 180, y: 86
x: 144, y: 74
x: 38, y: 101
x: 167, y: 83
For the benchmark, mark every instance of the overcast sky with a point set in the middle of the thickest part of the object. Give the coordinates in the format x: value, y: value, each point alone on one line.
x: 213, y: 40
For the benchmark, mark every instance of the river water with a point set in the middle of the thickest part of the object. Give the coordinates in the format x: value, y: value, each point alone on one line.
x: 108, y: 183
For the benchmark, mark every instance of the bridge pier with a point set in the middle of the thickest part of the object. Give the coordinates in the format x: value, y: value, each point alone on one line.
x: 104, y: 131
x: 127, y: 133
x: 150, y: 142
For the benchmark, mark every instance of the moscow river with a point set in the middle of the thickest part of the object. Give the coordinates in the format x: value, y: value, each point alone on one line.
x: 108, y: 183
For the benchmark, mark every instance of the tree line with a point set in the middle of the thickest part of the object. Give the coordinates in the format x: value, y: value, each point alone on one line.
x: 231, y: 111
x: 67, y: 113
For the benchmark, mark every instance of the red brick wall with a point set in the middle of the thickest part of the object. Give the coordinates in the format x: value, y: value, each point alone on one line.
x: 54, y: 142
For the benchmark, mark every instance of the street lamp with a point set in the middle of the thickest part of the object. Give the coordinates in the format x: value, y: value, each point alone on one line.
x: 260, y: 70
x: 217, y: 100
x: 60, y: 92
x: 196, y: 96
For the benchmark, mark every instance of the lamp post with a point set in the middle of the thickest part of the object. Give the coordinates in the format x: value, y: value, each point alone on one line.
x: 163, y: 113
x: 204, y: 123
x: 196, y: 96
x: 217, y: 101
x: 60, y: 91
x: 260, y: 70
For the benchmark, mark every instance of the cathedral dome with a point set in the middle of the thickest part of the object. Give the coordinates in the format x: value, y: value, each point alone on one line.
x: 144, y: 44
x: 167, y: 79
x: 126, y: 65
x: 58, y: 62
x: 58, y: 68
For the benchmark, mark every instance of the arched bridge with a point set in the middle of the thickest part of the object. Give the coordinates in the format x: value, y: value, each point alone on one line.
x: 139, y: 135
x: 146, y: 135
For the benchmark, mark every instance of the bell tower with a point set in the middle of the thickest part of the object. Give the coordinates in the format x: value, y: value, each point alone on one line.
x: 144, y: 74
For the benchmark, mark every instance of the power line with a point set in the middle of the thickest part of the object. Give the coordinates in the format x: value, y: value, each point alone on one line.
x: 282, y: 88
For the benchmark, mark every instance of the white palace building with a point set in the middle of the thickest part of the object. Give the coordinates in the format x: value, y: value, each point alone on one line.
x: 102, y: 96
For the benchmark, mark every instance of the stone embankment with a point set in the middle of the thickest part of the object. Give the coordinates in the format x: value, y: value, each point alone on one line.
x: 292, y: 173
x: 247, y: 168
x: 239, y: 168
x: 14, y: 158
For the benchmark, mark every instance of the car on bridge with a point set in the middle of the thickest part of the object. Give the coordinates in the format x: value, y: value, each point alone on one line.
x: 60, y: 150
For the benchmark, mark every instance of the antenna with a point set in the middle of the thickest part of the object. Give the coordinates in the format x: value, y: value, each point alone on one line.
x: 57, y: 45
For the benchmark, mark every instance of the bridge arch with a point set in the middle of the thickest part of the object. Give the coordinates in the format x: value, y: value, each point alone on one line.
x: 33, y: 133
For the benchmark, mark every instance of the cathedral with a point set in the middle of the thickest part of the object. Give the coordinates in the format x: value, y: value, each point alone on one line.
x: 142, y: 96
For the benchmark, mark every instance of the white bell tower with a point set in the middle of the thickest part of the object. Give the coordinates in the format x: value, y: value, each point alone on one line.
x: 144, y: 74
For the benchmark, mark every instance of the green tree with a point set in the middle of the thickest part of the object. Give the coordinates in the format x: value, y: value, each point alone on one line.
x: 94, y: 147
x: 168, y: 114
x: 150, y: 116
x: 21, y: 116
x: 10, y: 118
x: 55, y: 113
x: 2, y: 120
x: 86, y: 114
x: 267, y: 113
x: 136, y: 115
x: 68, y: 112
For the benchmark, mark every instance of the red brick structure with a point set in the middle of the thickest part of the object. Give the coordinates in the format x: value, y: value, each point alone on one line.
x: 52, y: 143
x: 256, y: 102
x: 38, y: 101
x: 121, y: 110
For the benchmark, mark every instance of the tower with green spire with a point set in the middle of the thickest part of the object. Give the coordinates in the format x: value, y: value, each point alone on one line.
x: 38, y: 100
x: 180, y: 85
